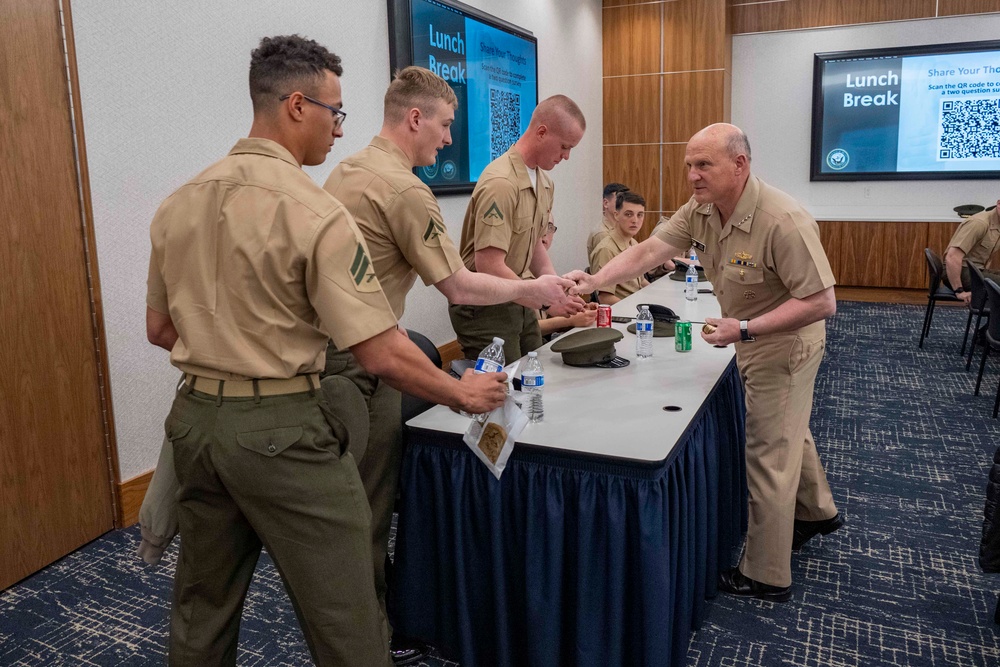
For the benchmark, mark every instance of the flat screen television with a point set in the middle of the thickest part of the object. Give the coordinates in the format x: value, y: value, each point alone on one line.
x: 492, y: 67
x: 917, y: 112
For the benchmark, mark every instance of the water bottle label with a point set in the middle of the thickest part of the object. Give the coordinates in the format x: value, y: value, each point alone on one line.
x: 487, y: 366
x: 643, y: 326
x: 532, y: 380
x: 691, y: 279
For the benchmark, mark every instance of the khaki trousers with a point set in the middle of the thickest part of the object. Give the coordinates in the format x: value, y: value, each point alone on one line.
x: 381, y: 461
x: 271, y: 472
x: 784, y: 474
x: 476, y: 326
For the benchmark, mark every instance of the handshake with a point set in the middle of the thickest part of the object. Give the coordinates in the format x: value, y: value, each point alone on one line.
x: 560, y: 296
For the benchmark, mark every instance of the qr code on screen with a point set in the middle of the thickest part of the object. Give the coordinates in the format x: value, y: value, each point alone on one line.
x: 970, y: 129
x: 505, y: 121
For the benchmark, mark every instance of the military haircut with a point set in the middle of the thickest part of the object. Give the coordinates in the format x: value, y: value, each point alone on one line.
x: 281, y: 65
x: 416, y: 87
x: 554, y: 111
x: 629, y: 197
x: 614, y: 188
x: 738, y: 144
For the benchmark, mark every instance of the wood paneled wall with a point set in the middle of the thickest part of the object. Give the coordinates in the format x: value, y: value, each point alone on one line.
x: 755, y: 16
x: 667, y: 73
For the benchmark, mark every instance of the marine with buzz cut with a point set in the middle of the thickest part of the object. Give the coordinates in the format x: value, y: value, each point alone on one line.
x: 407, y: 237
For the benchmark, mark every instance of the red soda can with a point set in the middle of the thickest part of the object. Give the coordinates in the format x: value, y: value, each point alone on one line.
x: 604, y: 315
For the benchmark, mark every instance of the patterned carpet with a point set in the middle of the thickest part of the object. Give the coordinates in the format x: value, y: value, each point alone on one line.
x: 906, y: 449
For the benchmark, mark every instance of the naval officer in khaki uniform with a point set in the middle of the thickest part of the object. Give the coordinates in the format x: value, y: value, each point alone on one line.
x: 630, y: 211
x: 406, y: 236
x: 503, y: 229
x: 762, y: 252
x: 976, y: 239
x: 253, y: 268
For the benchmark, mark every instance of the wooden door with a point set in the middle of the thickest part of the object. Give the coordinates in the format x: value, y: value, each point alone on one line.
x: 55, y: 451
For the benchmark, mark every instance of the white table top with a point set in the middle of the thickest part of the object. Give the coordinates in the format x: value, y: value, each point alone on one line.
x: 619, y: 412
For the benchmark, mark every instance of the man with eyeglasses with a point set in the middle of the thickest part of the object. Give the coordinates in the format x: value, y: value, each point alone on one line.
x: 503, y: 226
x: 253, y: 268
x: 406, y: 235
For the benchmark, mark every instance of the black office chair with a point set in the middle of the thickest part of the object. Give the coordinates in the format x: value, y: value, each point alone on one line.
x: 992, y: 338
x: 413, y: 406
x: 936, y: 291
x: 977, y: 307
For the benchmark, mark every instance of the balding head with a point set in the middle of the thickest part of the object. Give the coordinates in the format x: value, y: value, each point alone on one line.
x: 718, y: 164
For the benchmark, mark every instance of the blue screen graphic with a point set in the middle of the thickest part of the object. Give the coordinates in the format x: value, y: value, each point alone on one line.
x: 494, y: 75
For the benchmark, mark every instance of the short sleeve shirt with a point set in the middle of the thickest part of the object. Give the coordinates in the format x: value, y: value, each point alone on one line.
x: 978, y: 237
x: 506, y: 212
x: 599, y: 235
x: 768, y: 253
x: 399, y: 218
x: 258, y: 268
x: 614, y: 244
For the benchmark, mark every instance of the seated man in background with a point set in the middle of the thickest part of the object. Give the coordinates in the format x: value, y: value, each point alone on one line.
x: 555, y: 324
x: 977, y: 238
x: 611, y: 191
x: 630, y: 211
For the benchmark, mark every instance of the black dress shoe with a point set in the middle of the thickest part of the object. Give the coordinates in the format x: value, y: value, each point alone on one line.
x: 806, y: 530
x: 407, y: 651
x: 735, y: 582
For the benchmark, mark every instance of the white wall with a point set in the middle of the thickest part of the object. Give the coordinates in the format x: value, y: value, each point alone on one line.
x: 164, y: 94
x: 772, y: 102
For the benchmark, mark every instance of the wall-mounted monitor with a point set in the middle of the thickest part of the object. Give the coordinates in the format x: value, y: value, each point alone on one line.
x: 492, y: 67
x: 919, y: 112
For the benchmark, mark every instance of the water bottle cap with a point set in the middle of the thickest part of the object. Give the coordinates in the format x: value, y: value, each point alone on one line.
x: 498, y: 340
x: 532, y: 355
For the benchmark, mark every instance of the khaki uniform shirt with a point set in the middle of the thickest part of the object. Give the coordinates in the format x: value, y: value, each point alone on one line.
x: 399, y: 218
x: 614, y: 244
x: 978, y: 237
x: 505, y: 212
x: 599, y: 235
x: 769, y: 252
x: 258, y: 268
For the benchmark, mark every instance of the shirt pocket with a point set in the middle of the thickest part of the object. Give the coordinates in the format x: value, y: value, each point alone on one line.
x: 270, y: 442
x: 523, y: 224
x: 743, y: 275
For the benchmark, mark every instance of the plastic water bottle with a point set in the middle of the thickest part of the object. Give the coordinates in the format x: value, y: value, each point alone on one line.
x: 691, y: 279
x: 644, y: 333
x: 532, y: 385
x: 490, y: 361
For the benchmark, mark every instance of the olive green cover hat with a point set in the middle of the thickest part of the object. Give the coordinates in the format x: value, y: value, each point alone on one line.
x: 591, y: 347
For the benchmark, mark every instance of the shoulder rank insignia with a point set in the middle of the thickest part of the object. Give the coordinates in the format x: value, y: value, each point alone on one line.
x: 362, y: 273
x: 433, y: 231
x: 493, y: 213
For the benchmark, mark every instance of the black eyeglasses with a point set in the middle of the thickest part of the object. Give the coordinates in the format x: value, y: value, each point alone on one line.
x: 551, y: 229
x: 338, y: 115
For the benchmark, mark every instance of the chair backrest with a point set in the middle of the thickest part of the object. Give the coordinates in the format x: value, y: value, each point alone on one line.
x: 426, y: 346
x: 978, y: 284
x: 993, y: 297
x: 934, y: 270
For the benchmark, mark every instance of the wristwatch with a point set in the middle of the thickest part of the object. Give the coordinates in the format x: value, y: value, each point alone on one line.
x: 744, y: 334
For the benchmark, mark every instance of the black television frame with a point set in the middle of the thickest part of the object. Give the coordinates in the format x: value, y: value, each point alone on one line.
x: 401, y: 48
x: 815, y: 156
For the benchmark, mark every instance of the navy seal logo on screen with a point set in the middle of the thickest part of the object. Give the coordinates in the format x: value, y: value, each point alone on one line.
x: 837, y: 159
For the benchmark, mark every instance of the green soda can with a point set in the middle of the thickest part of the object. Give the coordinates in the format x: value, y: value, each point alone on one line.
x: 682, y: 336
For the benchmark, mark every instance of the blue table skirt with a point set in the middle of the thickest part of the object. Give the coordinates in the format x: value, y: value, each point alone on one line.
x: 564, y: 560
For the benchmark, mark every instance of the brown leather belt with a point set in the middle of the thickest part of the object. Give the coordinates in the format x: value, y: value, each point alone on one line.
x: 245, y: 388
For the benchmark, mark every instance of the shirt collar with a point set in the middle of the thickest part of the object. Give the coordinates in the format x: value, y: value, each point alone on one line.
x: 386, y: 145
x: 620, y: 239
x: 266, y: 147
x: 743, y: 215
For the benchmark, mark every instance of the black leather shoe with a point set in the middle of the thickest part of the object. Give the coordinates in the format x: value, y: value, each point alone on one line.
x: 736, y: 583
x: 806, y: 530
x: 407, y: 651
